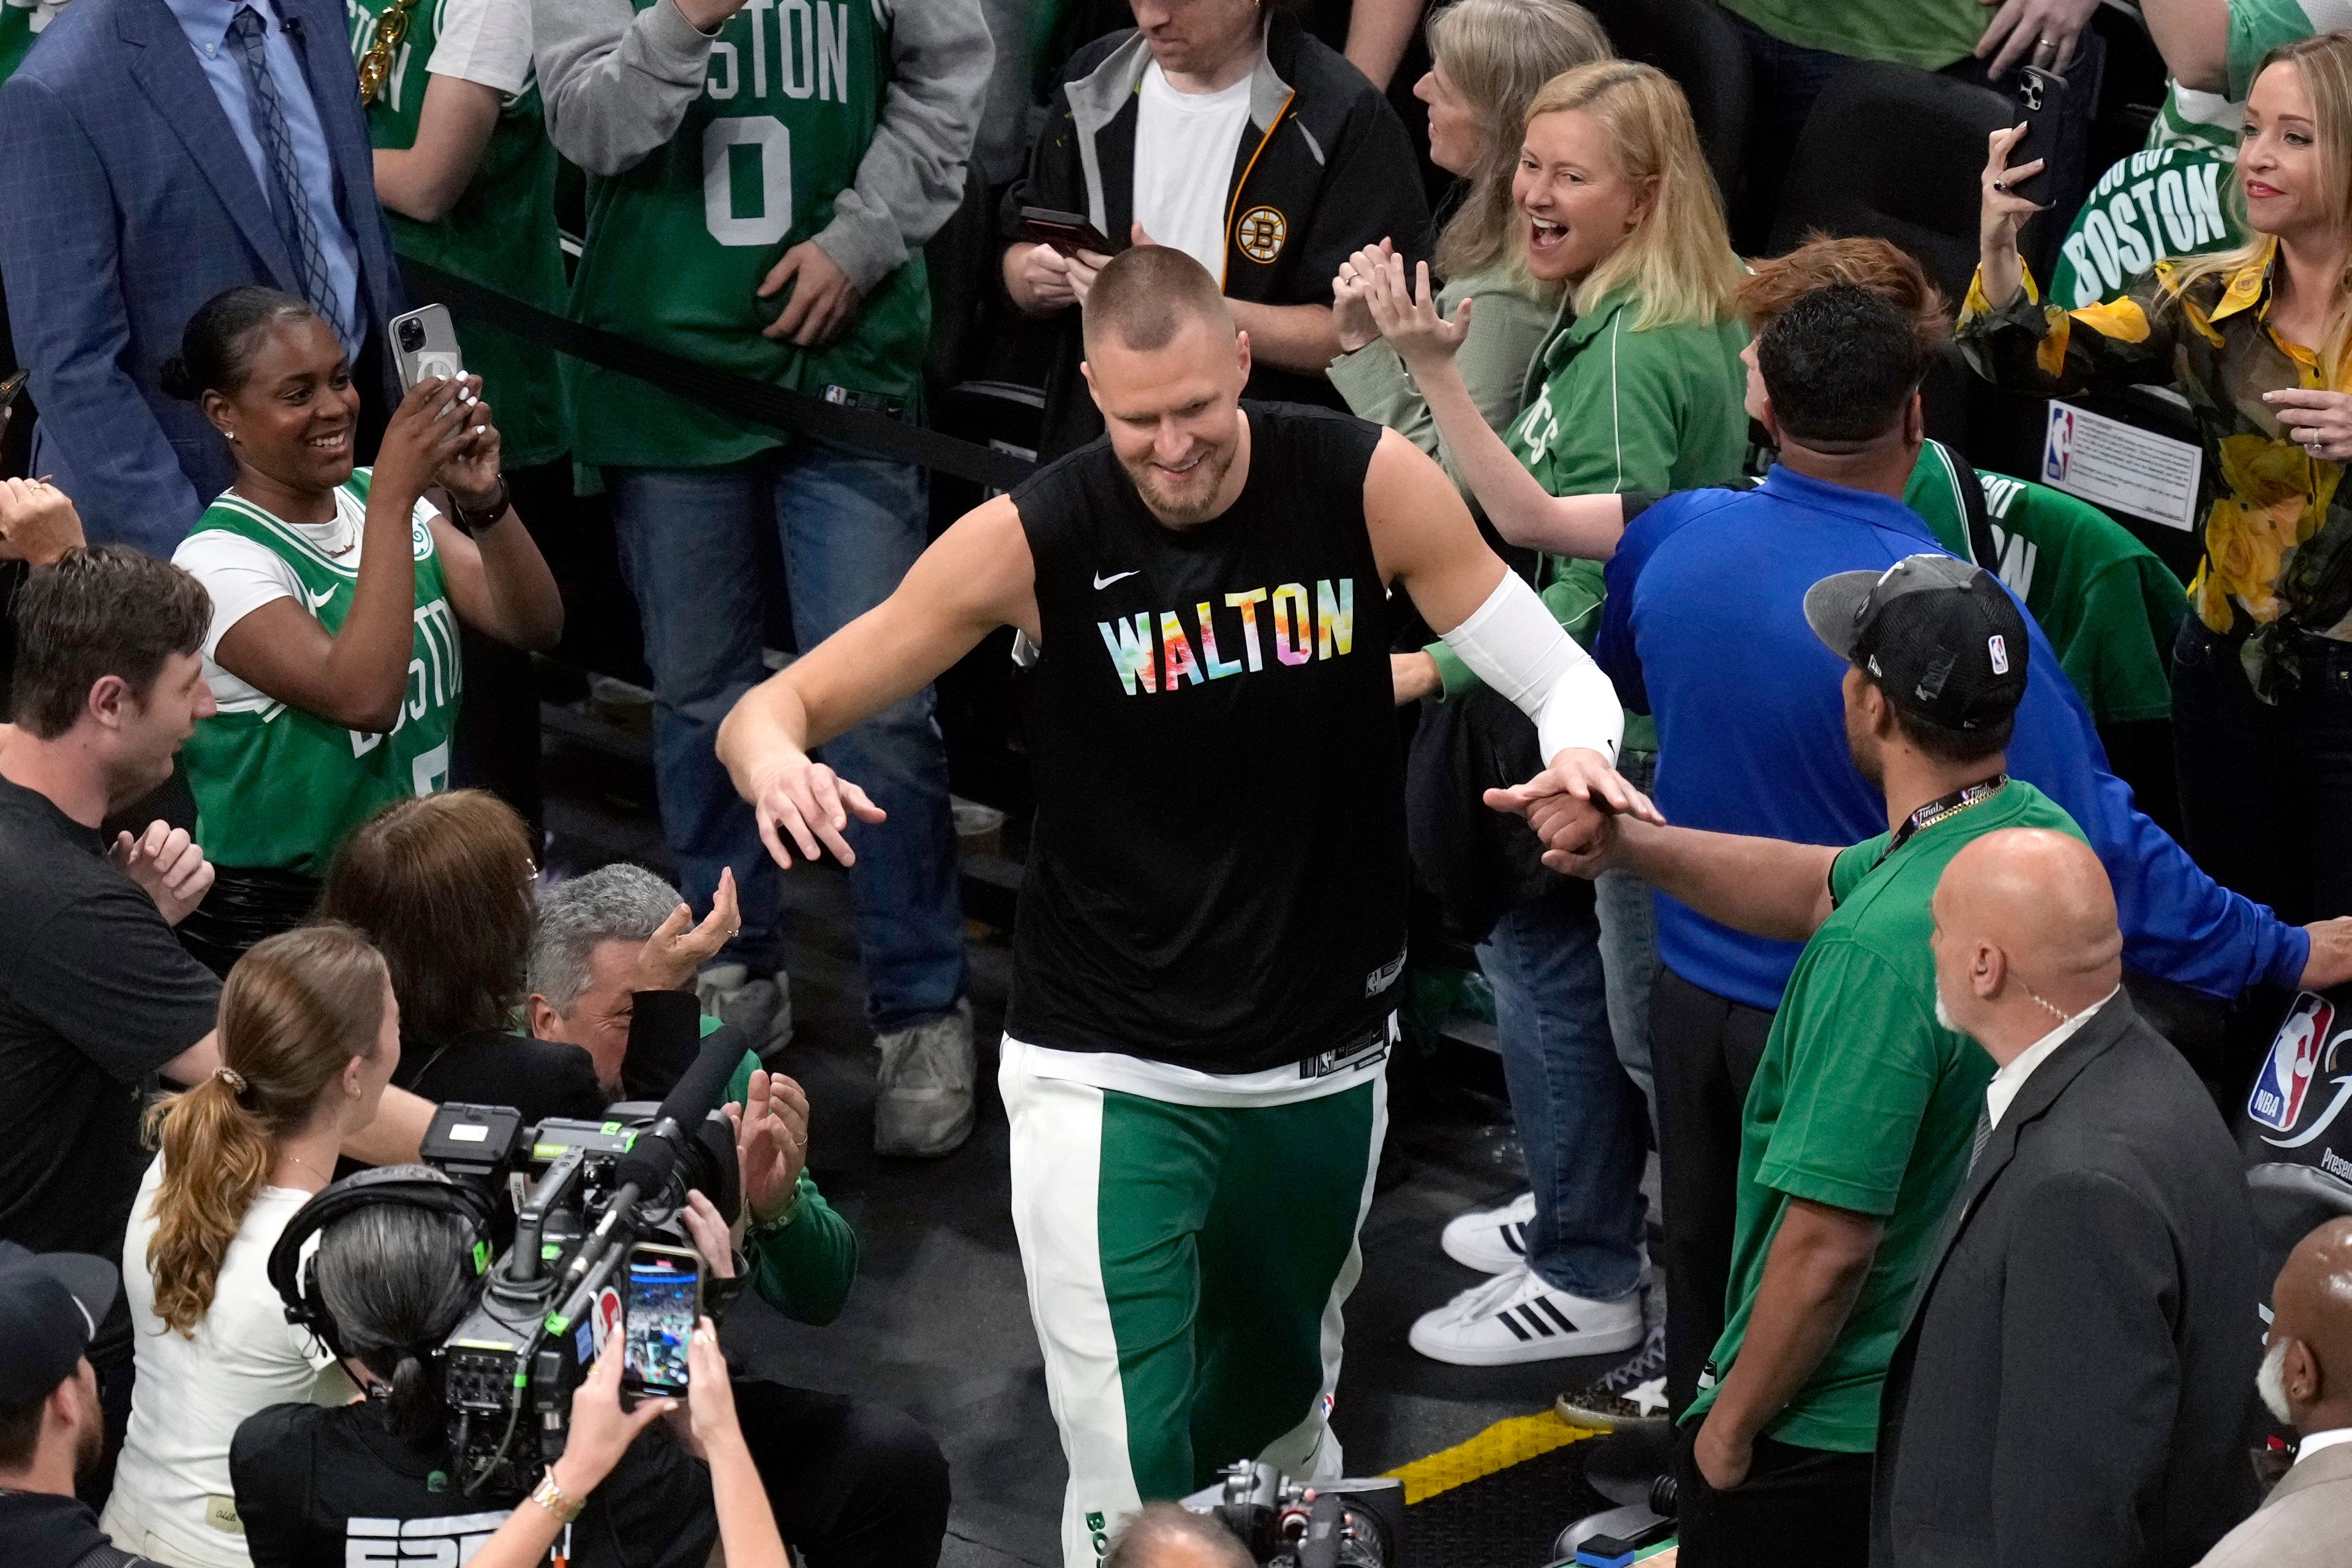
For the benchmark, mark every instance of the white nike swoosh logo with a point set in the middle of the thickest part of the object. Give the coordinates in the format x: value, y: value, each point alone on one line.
x: 317, y: 600
x: 1103, y: 582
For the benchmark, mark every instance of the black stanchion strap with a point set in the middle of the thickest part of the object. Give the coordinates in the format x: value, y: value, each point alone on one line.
x: 738, y: 397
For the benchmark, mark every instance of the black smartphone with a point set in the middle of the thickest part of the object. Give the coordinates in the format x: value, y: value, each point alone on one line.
x: 1066, y: 232
x: 658, y: 1317
x: 2041, y: 100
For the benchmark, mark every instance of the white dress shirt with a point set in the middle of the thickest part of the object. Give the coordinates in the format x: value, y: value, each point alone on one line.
x: 2009, y: 1080
x: 2315, y: 1441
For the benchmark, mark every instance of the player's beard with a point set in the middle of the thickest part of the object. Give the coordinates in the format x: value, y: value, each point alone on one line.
x: 1192, y: 502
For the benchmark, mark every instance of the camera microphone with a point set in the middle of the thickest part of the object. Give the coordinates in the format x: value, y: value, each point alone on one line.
x: 698, y: 1092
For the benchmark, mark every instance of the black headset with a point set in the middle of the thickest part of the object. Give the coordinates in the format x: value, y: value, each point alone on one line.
x: 298, y: 1283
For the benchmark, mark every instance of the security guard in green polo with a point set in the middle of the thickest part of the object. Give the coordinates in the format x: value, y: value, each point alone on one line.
x: 1859, y: 1126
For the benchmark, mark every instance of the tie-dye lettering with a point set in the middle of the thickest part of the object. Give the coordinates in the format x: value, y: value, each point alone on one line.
x: 1335, y: 619
x: 1247, y: 604
x: 1131, y: 652
x: 1299, y: 637
x: 1290, y: 610
x: 1218, y: 667
x: 1176, y: 653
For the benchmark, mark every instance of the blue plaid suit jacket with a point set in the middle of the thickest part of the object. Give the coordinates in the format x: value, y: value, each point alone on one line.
x: 125, y: 203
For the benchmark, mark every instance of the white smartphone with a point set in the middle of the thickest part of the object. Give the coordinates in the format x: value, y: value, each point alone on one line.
x: 425, y: 344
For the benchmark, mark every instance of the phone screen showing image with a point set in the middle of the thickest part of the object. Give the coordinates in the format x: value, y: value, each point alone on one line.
x: 664, y: 1300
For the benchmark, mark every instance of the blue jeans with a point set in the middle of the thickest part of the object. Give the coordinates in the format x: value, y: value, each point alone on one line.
x: 1580, y: 1116
x: 1629, y: 950
x: 850, y: 527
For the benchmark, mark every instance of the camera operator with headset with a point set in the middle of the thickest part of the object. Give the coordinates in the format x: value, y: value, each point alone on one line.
x: 318, y: 1485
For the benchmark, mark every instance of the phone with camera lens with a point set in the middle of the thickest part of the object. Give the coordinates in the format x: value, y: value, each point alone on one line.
x: 658, y: 1313
x: 424, y: 345
x: 2041, y: 98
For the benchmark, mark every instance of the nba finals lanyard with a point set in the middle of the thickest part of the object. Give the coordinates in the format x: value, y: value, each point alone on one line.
x: 1940, y: 809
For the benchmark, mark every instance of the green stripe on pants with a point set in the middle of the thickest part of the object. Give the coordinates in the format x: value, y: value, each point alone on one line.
x: 1186, y: 1268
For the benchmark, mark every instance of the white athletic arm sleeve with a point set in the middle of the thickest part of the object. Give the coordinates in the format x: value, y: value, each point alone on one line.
x: 1512, y: 644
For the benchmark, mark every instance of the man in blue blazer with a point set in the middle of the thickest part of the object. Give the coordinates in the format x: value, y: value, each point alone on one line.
x: 158, y: 152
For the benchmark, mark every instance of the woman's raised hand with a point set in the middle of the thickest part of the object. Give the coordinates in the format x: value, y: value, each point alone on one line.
x: 471, y: 474
x: 1351, y: 315
x: 430, y: 427
x: 2002, y: 213
x: 1408, y: 317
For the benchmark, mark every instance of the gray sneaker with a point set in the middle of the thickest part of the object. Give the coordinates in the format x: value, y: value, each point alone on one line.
x: 1628, y: 1397
x: 761, y: 1008
x: 922, y: 1099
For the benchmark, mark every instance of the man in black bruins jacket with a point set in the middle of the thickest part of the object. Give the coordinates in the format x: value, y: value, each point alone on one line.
x: 1317, y: 165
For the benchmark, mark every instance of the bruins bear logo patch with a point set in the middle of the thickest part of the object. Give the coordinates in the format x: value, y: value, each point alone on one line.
x: 1260, y: 234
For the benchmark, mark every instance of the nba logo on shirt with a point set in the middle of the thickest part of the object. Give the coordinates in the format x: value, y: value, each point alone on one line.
x: 2279, y: 1088
x: 1998, y: 647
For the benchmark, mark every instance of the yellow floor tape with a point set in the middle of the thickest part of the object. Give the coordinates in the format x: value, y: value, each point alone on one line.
x: 1498, y: 1448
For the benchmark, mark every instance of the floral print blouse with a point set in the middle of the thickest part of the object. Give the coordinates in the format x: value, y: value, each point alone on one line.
x: 2278, y: 542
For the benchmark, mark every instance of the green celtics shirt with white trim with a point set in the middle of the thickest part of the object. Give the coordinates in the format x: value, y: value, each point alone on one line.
x: 500, y: 233
x: 280, y: 788
x: 679, y: 244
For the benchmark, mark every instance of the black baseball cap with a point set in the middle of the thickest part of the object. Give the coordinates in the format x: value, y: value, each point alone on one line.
x: 53, y: 1303
x: 1941, y: 638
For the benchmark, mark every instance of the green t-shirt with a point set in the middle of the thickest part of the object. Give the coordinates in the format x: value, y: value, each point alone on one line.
x: 1864, y: 1102
x: 19, y: 21
x: 281, y: 789
x: 678, y: 243
x: 500, y: 233
x: 2106, y: 602
x: 1929, y: 33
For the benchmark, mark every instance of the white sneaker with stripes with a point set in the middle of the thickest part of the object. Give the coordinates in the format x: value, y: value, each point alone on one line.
x: 1515, y: 1317
x: 1492, y: 1241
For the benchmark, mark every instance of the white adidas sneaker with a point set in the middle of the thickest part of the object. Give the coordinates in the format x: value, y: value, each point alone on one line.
x: 1515, y: 1317
x: 1492, y: 1241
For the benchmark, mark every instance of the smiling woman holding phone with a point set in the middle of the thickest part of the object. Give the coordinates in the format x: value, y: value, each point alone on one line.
x: 336, y: 594
x: 2259, y: 341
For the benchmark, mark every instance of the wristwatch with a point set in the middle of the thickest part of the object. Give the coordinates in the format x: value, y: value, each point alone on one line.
x: 473, y: 519
x: 555, y: 1500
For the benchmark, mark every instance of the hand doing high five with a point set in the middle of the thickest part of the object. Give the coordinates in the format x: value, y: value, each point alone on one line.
x: 813, y: 804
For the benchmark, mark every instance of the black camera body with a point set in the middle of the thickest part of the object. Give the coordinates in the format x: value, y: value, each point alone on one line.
x: 1285, y: 1524
x: 581, y: 1193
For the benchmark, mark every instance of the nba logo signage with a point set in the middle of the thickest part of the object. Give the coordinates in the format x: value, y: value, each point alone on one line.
x: 2058, y: 451
x: 2281, y: 1087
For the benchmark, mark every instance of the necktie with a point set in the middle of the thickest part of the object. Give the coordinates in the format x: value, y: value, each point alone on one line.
x: 289, y: 206
x: 1984, y: 1136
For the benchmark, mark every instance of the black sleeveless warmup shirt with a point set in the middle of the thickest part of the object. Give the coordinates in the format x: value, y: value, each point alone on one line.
x: 1217, y: 874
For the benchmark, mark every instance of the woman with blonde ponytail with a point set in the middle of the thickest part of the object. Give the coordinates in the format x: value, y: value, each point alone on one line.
x: 309, y: 1034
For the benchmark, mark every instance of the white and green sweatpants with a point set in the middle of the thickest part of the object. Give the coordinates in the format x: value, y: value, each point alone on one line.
x: 1186, y: 1264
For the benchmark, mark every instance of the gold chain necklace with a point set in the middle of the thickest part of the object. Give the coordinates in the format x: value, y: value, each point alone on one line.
x: 375, y: 64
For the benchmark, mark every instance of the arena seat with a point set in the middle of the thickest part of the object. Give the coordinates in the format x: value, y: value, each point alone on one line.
x: 1694, y: 43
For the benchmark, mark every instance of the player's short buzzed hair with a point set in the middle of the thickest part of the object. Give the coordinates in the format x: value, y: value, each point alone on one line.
x: 1144, y: 297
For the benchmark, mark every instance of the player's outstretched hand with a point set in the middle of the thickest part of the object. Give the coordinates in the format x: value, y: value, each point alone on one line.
x: 813, y: 804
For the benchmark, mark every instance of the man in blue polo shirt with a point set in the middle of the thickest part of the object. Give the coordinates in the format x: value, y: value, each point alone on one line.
x: 1705, y: 628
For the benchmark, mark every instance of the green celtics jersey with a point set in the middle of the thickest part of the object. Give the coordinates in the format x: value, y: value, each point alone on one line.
x: 2105, y: 601
x: 679, y: 246
x: 2171, y: 201
x: 500, y: 233
x: 280, y: 788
